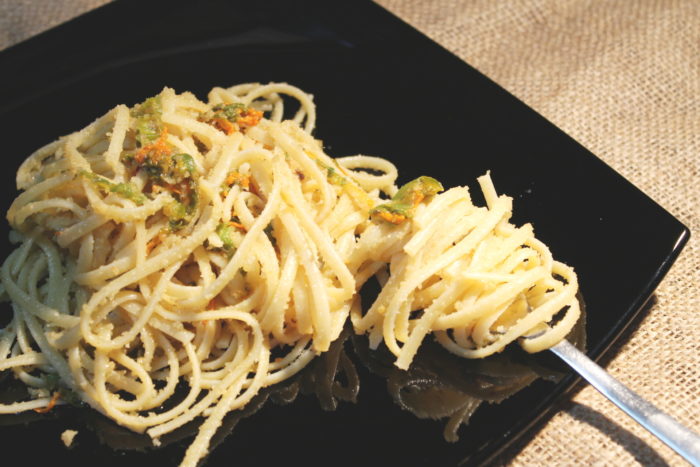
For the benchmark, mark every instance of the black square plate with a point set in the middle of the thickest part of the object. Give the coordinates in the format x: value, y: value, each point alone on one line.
x: 383, y: 89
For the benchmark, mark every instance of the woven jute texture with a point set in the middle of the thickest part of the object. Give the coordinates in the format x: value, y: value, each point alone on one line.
x: 622, y: 78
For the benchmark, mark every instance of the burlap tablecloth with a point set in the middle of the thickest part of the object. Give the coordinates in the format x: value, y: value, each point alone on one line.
x: 622, y: 78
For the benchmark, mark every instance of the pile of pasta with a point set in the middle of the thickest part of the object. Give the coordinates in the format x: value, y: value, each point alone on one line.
x: 217, y: 245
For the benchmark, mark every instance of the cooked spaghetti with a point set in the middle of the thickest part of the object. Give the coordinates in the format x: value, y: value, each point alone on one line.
x: 217, y: 245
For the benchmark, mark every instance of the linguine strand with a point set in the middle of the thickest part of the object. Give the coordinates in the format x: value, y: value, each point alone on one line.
x: 181, y: 241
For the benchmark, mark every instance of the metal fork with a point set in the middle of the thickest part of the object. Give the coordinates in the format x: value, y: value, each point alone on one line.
x: 678, y: 437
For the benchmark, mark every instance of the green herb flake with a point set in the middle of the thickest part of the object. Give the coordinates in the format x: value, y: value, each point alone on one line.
x: 183, y: 165
x: 176, y: 212
x: 54, y: 383
x: 230, y: 112
x: 225, y: 232
x: 125, y: 190
x: 148, y: 122
x: 404, y: 202
x: 332, y: 174
x: 129, y: 191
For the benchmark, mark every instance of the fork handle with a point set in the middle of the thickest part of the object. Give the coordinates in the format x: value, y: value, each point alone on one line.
x: 678, y: 437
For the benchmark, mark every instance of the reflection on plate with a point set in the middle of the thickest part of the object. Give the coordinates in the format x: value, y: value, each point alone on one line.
x: 438, y: 386
x: 382, y: 89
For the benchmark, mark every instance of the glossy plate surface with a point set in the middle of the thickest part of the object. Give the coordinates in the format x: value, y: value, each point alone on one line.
x: 382, y: 89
